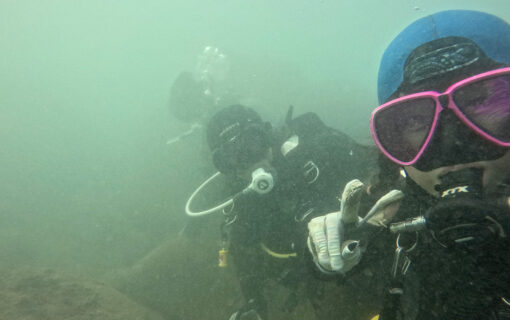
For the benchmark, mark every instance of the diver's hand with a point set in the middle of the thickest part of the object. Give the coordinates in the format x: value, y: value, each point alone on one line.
x: 249, y: 315
x: 331, y: 253
x: 246, y: 312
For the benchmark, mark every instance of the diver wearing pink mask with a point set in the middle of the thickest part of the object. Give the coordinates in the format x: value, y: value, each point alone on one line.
x: 443, y: 129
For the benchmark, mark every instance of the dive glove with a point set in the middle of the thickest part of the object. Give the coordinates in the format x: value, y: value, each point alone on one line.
x: 331, y: 252
x: 246, y: 312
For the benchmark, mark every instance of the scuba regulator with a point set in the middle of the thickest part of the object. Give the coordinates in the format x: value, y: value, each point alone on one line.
x: 464, y: 216
x: 472, y: 227
x: 262, y: 182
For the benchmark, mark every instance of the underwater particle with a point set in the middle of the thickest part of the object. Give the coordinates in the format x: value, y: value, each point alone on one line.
x: 416, y: 8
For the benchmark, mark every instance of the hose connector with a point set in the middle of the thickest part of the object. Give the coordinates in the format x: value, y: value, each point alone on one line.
x: 410, y: 225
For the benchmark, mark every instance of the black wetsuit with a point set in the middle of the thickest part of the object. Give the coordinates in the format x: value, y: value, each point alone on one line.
x: 268, y: 238
x: 441, y: 282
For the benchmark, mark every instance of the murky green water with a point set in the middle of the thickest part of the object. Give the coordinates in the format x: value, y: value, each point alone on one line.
x: 88, y: 183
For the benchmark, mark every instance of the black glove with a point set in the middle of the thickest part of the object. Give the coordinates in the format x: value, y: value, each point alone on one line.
x: 246, y: 312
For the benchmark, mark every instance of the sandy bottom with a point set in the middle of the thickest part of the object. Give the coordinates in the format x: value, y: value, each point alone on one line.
x: 28, y: 294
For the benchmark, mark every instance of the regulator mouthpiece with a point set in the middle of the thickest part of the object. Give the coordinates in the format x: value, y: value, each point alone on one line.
x: 262, y: 182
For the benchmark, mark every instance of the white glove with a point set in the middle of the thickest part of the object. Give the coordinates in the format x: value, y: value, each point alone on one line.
x: 325, y: 234
x: 331, y: 253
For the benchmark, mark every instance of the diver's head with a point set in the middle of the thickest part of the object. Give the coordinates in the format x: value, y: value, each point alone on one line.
x: 445, y: 95
x: 188, y: 99
x: 239, y: 140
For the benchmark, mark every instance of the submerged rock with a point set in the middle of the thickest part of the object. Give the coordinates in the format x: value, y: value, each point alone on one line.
x: 31, y: 294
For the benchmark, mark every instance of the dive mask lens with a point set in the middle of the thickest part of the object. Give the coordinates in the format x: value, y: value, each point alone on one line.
x: 222, y: 161
x: 403, y: 127
x: 485, y: 104
x: 253, y: 146
x: 242, y: 151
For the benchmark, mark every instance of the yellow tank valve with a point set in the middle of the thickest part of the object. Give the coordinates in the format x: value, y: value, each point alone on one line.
x: 222, y: 258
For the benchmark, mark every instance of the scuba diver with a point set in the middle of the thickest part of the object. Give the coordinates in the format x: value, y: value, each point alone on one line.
x: 442, y: 244
x: 195, y: 96
x: 281, y: 178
